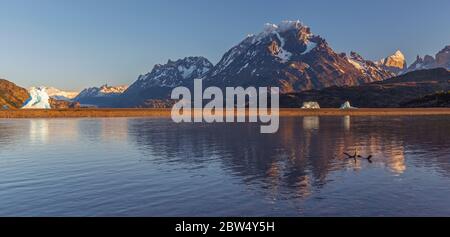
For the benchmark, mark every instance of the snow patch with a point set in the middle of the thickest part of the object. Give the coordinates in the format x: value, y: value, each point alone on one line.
x: 186, y: 72
x: 242, y: 68
x: 309, y: 46
x: 283, y: 54
x: 356, y: 64
x: 270, y: 28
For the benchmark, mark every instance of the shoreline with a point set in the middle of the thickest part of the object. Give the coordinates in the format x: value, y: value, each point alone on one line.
x: 136, y: 112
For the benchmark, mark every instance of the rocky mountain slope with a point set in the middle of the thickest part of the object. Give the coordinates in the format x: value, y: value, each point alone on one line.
x: 11, y: 95
x: 163, y: 78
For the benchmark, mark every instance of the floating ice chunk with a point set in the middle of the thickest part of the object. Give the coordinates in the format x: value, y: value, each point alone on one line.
x: 347, y: 105
x: 310, y: 105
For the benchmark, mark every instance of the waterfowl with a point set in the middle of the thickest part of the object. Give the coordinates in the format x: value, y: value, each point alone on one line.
x: 369, y: 158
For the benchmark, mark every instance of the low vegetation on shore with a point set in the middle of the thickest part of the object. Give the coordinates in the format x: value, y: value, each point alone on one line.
x: 81, y: 112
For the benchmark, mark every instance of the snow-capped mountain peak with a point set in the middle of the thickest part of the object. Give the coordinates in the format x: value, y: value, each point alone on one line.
x: 102, y: 91
x: 173, y: 73
x: 290, y: 56
x: 282, y: 43
x: 58, y: 94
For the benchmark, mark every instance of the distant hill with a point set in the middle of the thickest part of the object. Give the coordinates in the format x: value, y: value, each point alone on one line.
x: 11, y: 95
x: 393, y: 92
x: 103, y: 96
x: 440, y: 99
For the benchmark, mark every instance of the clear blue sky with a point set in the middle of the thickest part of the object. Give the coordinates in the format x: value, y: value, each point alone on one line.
x: 73, y: 44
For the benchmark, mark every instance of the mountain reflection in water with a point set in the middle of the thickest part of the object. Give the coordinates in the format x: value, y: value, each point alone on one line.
x: 152, y: 166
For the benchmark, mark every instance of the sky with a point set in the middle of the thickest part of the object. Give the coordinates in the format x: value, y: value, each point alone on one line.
x: 73, y: 44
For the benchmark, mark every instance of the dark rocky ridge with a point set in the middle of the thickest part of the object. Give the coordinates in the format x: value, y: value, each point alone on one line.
x: 394, y: 92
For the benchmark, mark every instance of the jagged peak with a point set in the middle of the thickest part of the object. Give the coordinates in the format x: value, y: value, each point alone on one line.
x: 445, y: 49
x: 189, y: 61
x: 283, y: 26
x: 398, y: 55
x: 286, y: 25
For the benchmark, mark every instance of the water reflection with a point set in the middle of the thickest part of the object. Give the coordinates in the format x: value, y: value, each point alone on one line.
x: 154, y: 167
x: 346, y: 122
x: 311, y: 122
x: 39, y: 130
x: 10, y: 133
x: 304, y: 151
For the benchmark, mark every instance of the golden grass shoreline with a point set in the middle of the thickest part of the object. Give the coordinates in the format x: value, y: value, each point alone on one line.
x: 93, y: 113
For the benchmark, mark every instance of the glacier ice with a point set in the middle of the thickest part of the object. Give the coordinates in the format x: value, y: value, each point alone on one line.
x: 310, y: 105
x: 39, y: 99
x: 347, y: 105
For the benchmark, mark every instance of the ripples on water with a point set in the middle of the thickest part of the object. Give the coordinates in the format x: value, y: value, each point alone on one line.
x: 153, y: 167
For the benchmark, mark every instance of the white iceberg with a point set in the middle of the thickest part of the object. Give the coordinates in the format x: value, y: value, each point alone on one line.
x: 347, y: 105
x: 310, y: 105
x: 39, y: 99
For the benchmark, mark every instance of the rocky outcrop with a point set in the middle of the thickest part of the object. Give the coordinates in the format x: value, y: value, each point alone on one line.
x: 395, y: 63
x: 63, y: 104
x: 11, y: 95
x: 441, y: 60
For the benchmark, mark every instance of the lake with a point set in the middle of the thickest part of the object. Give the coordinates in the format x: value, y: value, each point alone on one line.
x: 154, y: 167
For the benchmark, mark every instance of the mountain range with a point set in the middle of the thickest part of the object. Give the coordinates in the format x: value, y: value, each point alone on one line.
x: 287, y: 55
x: 441, y: 59
x: 100, y: 96
x: 58, y: 94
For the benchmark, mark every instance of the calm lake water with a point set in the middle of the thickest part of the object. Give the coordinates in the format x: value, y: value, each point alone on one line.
x: 153, y: 167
